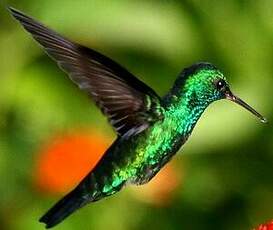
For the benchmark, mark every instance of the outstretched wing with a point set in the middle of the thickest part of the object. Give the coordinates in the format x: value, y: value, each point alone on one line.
x: 129, y: 104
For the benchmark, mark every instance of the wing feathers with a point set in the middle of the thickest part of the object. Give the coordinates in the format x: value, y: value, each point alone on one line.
x: 120, y: 95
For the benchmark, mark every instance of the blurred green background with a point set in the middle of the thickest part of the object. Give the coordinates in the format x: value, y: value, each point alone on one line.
x: 227, y: 180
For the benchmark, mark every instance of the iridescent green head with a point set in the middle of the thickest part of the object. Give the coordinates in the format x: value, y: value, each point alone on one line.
x: 202, y: 84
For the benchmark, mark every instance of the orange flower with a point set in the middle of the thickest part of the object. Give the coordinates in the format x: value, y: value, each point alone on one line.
x: 267, y: 226
x: 66, y: 159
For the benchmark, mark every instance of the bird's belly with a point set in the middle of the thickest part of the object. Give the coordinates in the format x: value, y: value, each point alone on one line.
x: 154, y: 154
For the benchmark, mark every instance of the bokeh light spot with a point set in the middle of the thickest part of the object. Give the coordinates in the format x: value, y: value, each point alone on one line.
x: 66, y: 159
x: 267, y: 226
x: 160, y: 190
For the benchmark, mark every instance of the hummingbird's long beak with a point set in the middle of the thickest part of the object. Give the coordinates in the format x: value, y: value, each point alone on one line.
x: 237, y: 100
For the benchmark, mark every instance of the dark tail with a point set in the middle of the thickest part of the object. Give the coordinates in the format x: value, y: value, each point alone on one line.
x: 90, y: 189
x: 62, y: 209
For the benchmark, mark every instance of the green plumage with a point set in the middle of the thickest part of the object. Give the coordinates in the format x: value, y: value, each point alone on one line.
x: 144, y: 155
x: 150, y: 129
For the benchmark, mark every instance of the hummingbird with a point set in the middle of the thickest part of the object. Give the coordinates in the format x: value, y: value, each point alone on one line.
x: 150, y: 129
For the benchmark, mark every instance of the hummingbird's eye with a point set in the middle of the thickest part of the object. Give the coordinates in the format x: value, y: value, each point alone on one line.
x: 220, y: 84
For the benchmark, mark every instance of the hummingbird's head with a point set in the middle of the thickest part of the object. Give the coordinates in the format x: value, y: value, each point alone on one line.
x: 203, y: 83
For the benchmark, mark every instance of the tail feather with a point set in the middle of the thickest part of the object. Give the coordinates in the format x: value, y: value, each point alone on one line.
x: 90, y: 189
x: 62, y: 209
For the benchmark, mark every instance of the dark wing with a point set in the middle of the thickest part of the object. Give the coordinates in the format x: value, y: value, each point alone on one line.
x: 129, y: 104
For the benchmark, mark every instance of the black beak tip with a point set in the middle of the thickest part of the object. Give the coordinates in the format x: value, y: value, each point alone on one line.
x: 264, y: 120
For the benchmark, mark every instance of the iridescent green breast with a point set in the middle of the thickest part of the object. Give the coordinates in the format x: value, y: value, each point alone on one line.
x: 145, y: 154
x: 142, y: 156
